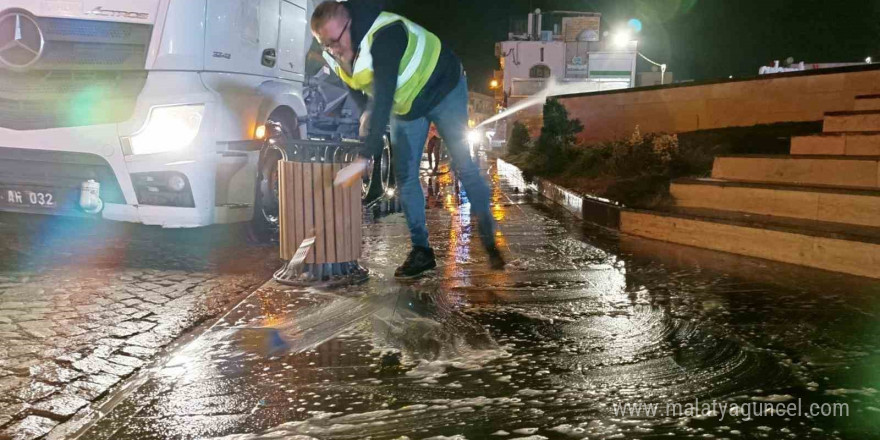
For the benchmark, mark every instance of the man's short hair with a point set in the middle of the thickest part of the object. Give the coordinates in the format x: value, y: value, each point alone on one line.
x: 327, y: 11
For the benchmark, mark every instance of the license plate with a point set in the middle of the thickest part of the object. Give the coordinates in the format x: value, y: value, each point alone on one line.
x: 28, y: 198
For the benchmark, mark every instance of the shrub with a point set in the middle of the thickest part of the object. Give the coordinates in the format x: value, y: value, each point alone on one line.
x: 642, y: 155
x: 588, y: 161
x: 636, y: 170
x: 519, y: 142
x: 558, y: 136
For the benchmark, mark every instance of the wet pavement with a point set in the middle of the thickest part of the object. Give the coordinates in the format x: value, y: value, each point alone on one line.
x: 578, y: 338
x: 85, y: 304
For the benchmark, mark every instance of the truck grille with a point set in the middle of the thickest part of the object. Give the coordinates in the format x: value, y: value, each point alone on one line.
x: 91, y: 72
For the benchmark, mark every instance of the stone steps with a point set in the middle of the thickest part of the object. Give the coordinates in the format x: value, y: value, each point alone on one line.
x: 842, y: 171
x: 818, y: 207
x: 827, y: 204
x: 823, y: 245
x: 847, y: 144
x: 867, y: 102
x: 816, y: 210
x: 855, y: 121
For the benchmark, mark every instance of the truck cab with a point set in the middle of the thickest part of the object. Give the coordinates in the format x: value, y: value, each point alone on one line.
x: 157, y: 108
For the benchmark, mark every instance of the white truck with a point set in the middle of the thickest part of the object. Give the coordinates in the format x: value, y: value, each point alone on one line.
x: 156, y: 107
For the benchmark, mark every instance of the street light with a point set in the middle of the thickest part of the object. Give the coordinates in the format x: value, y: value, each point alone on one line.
x: 623, y: 37
x: 493, y: 84
x: 620, y: 39
x: 473, y: 137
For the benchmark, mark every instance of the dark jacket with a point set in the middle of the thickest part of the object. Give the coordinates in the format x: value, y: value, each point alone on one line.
x: 389, y: 45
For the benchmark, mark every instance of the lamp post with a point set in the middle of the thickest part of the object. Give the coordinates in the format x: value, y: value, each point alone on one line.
x: 661, y: 66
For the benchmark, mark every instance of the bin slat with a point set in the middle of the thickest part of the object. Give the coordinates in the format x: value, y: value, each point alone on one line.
x: 298, y: 206
x: 283, y: 184
x: 339, y: 218
x: 329, y: 229
x: 356, y: 213
x: 309, y: 211
x: 346, y: 219
x: 318, y: 201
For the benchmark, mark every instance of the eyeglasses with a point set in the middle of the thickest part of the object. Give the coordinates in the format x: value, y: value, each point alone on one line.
x: 333, y: 43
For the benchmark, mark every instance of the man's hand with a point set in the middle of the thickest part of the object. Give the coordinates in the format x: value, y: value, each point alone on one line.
x: 351, y: 173
x: 364, y: 128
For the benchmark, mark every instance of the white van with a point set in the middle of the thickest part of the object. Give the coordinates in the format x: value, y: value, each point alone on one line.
x: 162, y: 103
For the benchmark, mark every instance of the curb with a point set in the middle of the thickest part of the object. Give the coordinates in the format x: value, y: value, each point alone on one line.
x: 595, y: 210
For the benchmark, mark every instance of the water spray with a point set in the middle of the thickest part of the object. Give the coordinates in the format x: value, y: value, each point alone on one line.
x: 553, y: 88
x: 536, y: 99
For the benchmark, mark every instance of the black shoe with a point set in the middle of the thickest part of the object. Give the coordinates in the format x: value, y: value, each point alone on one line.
x: 419, y: 260
x: 496, y: 261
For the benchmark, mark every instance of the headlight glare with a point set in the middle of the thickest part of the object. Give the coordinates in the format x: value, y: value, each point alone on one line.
x: 168, y: 128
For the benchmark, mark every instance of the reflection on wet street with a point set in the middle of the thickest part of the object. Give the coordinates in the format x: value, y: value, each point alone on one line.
x: 579, y: 337
x: 86, y: 303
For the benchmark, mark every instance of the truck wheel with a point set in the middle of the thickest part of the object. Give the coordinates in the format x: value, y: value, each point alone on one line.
x: 380, y: 179
x: 280, y: 128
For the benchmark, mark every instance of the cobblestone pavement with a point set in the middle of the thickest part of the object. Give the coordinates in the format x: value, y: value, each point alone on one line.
x: 84, y: 304
x: 580, y: 321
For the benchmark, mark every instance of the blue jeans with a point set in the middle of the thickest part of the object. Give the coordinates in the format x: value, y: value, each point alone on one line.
x: 408, y: 140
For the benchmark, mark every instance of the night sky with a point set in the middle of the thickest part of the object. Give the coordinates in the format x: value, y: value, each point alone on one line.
x: 698, y: 39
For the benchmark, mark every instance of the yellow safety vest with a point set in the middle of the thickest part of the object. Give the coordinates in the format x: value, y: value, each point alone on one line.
x: 416, y: 66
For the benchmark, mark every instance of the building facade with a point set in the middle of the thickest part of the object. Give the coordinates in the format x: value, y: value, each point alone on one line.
x: 480, y: 108
x: 567, y: 46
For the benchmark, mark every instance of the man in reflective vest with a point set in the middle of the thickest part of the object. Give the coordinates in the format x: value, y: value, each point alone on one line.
x: 397, y: 70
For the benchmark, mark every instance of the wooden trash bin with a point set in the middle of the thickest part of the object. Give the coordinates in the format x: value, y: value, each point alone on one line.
x: 311, y: 206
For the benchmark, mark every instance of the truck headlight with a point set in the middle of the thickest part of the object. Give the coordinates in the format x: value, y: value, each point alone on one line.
x: 168, y: 128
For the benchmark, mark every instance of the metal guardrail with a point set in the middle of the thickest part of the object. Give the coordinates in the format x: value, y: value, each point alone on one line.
x: 318, y: 151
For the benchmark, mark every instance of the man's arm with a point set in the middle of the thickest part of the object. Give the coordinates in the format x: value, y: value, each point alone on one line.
x: 388, y: 48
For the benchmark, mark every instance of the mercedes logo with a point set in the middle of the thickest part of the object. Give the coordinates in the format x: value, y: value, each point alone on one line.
x: 21, y: 40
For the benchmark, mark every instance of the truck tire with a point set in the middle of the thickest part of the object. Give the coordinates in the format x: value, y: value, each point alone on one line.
x: 379, y: 180
x: 264, y: 225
